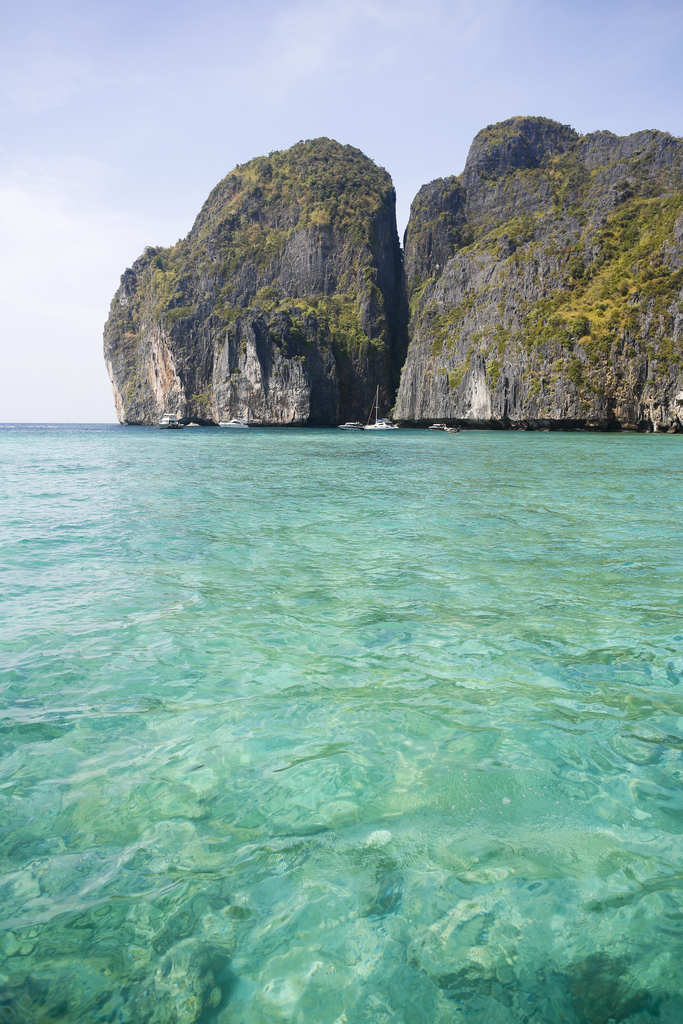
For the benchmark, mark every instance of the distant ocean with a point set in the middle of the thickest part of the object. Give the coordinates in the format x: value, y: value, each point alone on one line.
x: 340, y: 728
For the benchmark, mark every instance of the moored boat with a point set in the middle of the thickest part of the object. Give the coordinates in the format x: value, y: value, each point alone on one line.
x: 169, y: 421
x: 350, y: 426
x: 234, y: 424
x: 379, y: 424
x: 437, y: 426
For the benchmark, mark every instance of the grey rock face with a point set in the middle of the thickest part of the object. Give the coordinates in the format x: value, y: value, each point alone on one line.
x: 543, y: 287
x: 282, y: 305
x: 437, y: 228
x: 545, y: 283
x: 521, y: 142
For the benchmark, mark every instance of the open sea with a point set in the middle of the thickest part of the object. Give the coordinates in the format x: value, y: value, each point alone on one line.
x: 340, y: 728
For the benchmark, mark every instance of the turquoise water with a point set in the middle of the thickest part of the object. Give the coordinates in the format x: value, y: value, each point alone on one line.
x: 299, y: 725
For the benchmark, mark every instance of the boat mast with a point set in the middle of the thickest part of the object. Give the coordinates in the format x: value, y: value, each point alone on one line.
x: 367, y: 422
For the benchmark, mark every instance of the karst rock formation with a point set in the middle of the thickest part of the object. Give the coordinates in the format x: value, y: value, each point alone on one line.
x: 541, y: 288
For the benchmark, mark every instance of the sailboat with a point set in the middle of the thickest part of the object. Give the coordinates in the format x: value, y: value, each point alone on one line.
x: 379, y: 424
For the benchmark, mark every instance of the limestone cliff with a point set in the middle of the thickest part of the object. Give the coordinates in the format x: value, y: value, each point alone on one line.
x: 546, y: 283
x: 282, y: 304
x: 543, y: 287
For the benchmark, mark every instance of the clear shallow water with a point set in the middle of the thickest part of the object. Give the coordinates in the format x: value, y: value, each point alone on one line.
x: 333, y: 728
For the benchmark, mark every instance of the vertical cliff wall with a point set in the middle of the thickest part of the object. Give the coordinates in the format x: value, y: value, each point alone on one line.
x: 546, y: 283
x: 283, y: 304
x: 543, y: 287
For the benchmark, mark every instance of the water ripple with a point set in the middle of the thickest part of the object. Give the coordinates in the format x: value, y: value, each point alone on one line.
x: 301, y: 726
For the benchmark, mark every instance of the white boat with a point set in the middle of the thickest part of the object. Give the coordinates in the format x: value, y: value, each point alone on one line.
x: 234, y: 424
x: 437, y: 426
x: 350, y: 426
x: 169, y: 421
x: 380, y: 424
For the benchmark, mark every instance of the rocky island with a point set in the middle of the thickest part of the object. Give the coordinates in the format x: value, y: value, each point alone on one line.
x: 282, y: 305
x: 546, y: 283
x: 541, y: 288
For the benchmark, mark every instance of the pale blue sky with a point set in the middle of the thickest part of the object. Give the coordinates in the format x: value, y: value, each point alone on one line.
x: 117, y: 118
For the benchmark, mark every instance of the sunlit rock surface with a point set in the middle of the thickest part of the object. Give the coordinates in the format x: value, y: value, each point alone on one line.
x: 281, y: 306
x: 546, y: 284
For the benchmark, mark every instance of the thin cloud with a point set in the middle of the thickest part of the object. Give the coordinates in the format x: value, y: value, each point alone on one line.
x: 322, y: 45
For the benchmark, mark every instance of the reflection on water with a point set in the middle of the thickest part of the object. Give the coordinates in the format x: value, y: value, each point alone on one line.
x: 335, y: 729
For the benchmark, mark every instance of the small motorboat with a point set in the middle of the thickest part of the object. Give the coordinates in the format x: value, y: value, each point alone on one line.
x: 350, y: 426
x: 234, y: 424
x: 169, y: 421
x: 437, y: 426
x: 452, y: 430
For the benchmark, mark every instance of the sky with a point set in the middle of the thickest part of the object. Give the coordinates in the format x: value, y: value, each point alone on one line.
x: 117, y: 119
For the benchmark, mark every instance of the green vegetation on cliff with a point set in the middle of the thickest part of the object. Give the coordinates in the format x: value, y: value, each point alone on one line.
x: 314, y: 184
x: 307, y: 234
x: 629, y: 279
x: 250, y: 217
x: 556, y: 257
x: 543, y: 283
